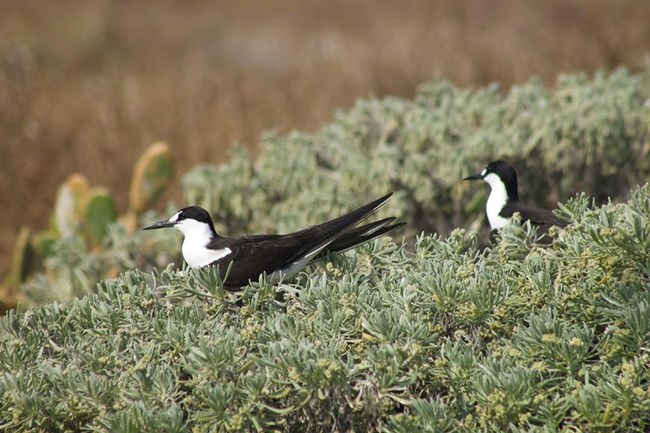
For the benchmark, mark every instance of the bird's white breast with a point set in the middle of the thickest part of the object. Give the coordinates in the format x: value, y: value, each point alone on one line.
x: 496, y: 201
x: 199, y: 257
x: 197, y: 236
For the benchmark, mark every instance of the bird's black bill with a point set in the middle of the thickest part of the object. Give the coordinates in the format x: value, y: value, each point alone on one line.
x: 477, y: 176
x: 159, y: 225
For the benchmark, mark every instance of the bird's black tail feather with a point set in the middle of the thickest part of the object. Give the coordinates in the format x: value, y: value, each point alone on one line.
x: 360, y: 235
x: 323, y: 235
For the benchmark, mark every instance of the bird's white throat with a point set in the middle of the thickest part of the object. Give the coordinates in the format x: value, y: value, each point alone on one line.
x: 497, y: 200
x: 197, y: 236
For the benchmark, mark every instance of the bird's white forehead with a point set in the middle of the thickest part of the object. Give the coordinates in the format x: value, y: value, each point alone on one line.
x: 483, y: 172
x: 174, y: 217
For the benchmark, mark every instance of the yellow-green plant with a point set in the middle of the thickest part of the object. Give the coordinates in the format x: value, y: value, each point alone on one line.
x: 68, y: 213
x: 83, y: 216
x: 151, y: 176
x: 22, y: 255
x: 99, y: 213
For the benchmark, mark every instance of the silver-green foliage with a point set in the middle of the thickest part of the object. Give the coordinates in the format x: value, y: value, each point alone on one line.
x: 518, y: 337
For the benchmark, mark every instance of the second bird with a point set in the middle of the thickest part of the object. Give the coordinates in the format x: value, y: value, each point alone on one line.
x: 503, y: 201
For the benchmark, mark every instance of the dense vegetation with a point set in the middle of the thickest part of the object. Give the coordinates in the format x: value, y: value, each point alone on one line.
x: 518, y: 337
x: 439, y: 335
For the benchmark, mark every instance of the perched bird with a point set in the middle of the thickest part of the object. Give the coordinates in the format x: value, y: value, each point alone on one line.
x: 280, y: 256
x: 503, y: 201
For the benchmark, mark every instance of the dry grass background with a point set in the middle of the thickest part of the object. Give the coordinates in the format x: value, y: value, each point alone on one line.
x: 87, y: 85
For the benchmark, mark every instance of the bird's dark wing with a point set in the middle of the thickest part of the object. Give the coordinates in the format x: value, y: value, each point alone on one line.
x: 542, y: 218
x: 254, y: 255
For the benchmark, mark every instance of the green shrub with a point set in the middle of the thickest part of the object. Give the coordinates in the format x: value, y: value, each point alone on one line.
x: 518, y: 337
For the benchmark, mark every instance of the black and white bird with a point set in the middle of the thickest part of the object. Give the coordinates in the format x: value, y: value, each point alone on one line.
x: 280, y: 256
x: 503, y: 201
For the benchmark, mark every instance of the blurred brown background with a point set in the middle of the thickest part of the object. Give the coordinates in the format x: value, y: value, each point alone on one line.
x: 87, y: 85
